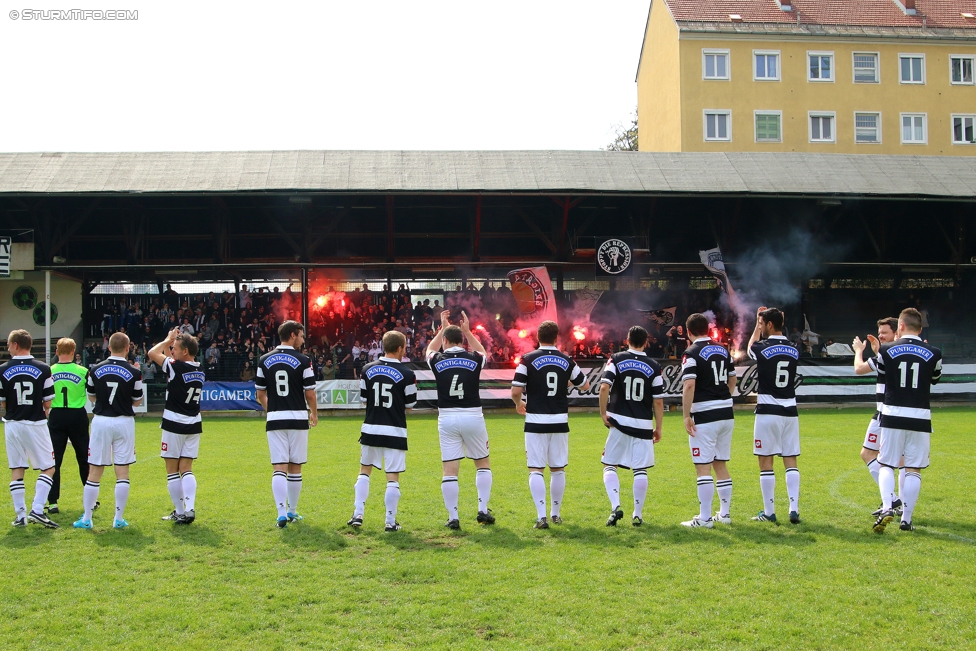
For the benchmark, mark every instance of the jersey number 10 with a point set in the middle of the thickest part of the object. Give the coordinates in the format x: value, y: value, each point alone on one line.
x: 634, y: 388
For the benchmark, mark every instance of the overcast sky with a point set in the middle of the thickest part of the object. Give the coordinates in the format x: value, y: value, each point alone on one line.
x: 320, y: 75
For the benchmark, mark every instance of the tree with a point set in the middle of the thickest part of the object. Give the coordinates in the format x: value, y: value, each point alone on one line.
x: 626, y: 139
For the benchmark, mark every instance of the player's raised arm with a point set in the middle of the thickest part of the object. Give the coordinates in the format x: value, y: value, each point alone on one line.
x: 160, y: 351
x: 757, y: 332
x: 469, y: 336
x: 438, y: 340
x: 861, y: 367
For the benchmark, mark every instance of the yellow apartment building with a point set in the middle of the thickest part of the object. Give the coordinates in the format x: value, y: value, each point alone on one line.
x: 827, y: 76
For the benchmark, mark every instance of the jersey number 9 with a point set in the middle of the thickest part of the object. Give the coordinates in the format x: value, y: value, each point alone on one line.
x: 552, y: 381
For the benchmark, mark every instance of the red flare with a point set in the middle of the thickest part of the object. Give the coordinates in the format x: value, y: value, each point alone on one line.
x: 479, y: 327
x: 522, y: 334
x: 321, y: 301
x: 518, y: 358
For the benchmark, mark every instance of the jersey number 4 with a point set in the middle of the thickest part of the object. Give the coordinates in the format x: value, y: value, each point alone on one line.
x: 457, y: 390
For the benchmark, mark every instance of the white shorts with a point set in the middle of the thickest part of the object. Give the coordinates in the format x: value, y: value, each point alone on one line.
x: 543, y: 450
x: 462, y: 435
x: 627, y: 451
x: 288, y: 446
x: 387, y: 459
x: 28, y: 444
x: 897, y: 442
x: 872, y: 438
x: 712, y: 442
x: 112, y: 441
x: 776, y: 435
x: 180, y: 446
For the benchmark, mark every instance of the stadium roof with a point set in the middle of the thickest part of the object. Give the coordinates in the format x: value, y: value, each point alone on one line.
x: 473, y: 172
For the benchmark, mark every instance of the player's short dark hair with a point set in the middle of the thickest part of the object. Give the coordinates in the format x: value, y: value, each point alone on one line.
x: 637, y: 336
x: 393, y: 341
x: 188, y: 343
x: 697, y: 324
x: 773, y: 317
x: 453, y: 335
x: 118, y: 343
x: 548, y: 333
x: 912, y: 319
x: 889, y: 321
x: 22, y: 338
x: 288, y: 329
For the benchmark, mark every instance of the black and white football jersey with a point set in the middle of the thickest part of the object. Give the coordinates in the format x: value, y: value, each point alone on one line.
x: 545, y: 374
x: 635, y: 383
x: 115, y: 384
x: 879, y: 388
x: 25, y: 385
x: 285, y: 374
x: 184, y: 388
x: 458, y: 376
x: 710, y: 366
x: 914, y: 366
x: 776, y: 360
x: 388, y: 388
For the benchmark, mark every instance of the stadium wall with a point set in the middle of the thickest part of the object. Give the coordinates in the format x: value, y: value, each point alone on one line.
x: 65, y: 296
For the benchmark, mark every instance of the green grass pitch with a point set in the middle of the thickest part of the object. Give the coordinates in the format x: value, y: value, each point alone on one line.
x: 232, y: 580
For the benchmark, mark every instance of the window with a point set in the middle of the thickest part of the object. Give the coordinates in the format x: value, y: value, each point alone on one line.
x: 912, y: 68
x: 821, y: 66
x: 961, y: 69
x: 769, y: 126
x: 715, y: 64
x: 866, y: 68
x: 767, y: 66
x: 867, y: 127
x: 718, y: 124
x: 913, y: 129
x: 962, y: 129
x: 822, y: 127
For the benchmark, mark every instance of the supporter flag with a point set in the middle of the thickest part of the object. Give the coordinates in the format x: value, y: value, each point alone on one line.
x: 712, y: 259
x: 664, y: 317
x: 586, y: 300
x: 5, y: 246
x: 533, y: 293
x: 809, y: 335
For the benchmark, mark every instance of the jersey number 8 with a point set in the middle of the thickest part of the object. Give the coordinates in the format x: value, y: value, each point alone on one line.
x: 281, y: 383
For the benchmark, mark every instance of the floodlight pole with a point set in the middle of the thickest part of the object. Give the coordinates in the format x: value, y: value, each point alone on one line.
x: 47, y: 317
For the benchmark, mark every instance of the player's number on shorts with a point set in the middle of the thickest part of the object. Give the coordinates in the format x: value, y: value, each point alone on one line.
x: 905, y: 369
x: 382, y: 396
x: 552, y: 381
x: 782, y: 374
x: 194, y: 395
x: 25, y: 391
x: 721, y: 373
x: 634, y: 388
x: 281, y: 383
x: 457, y: 390
x: 113, y: 387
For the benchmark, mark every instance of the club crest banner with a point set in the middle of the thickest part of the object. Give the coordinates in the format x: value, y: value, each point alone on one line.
x: 533, y: 293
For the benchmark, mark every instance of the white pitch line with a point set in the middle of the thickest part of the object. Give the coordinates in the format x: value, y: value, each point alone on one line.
x: 834, y: 489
